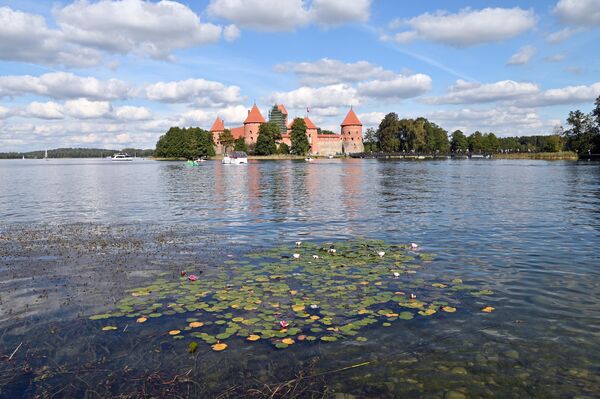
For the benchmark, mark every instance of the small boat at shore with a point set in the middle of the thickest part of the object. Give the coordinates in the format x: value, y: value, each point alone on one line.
x: 309, y: 159
x: 235, y: 158
x: 121, y: 156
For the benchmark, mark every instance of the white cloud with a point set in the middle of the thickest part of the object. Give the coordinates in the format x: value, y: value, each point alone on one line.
x: 467, y: 27
x: 371, y: 118
x: 509, y: 121
x: 83, y: 108
x: 564, y: 95
x: 554, y: 57
x: 231, y: 33
x: 561, y: 35
x: 124, y: 26
x: 47, y: 110
x: 579, y: 12
x: 132, y: 113
x: 200, y: 91
x: 26, y: 37
x: 333, y: 12
x: 326, y: 96
x: 328, y: 71
x: 232, y: 115
x: 399, y: 87
x: 287, y: 15
x: 523, y: 56
x: 63, y: 85
x: 4, y: 112
x: 463, y: 92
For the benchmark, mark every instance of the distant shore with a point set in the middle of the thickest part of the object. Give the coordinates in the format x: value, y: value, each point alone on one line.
x: 551, y: 156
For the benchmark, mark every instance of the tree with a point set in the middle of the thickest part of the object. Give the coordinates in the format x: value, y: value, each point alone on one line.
x: 298, y: 137
x: 387, y: 133
x: 459, y: 142
x: 240, y: 144
x: 436, y: 138
x: 476, y: 142
x: 553, y: 143
x: 266, y: 142
x: 582, y: 136
x: 185, y: 143
x: 370, y: 140
x: 226, y: 139
x: 490, y: 143
x: 283, y: 148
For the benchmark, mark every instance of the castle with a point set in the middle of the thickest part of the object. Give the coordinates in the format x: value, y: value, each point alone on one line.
x: 349, y: 140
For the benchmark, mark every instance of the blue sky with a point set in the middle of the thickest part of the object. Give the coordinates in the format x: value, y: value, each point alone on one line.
x: 119, y: 73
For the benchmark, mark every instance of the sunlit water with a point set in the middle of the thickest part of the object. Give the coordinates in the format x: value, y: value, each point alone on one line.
x: 75, y: 234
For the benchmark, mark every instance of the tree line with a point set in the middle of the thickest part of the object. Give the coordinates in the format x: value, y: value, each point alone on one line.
x: 188, y: 143
x: 76, y: 153
x: 423, y: 136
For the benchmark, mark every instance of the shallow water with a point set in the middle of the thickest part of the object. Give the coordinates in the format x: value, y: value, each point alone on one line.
x: 76, y: 234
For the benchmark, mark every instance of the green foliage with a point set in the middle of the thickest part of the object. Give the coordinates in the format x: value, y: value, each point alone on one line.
x: 240, y: 145
x: 266, y: 142
x: 226, y: 139
x: 324, y: 131
x: 298, y: 137
x: 583, y: 135
x: 387, y: 133
x: 458, y: 142
x: 370, y: 140
x: 475, y: 141
x: 554, y: 143
x: 410, y: 135
x: 185, y: 143
x: 283, y: 148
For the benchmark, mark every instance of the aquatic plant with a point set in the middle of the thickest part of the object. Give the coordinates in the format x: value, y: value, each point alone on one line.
x: 308, y: 292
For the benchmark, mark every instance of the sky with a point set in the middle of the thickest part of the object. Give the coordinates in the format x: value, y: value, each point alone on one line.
x: 119, y: 73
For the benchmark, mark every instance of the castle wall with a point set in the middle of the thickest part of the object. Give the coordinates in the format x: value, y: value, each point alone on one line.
x: 329, y: 144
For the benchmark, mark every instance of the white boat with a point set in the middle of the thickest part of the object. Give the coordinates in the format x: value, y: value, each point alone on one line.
x: 309, y: 159
x: 330, y: 157
x: 122, y: 157
x: 235, y: 158
x: 46, y: 155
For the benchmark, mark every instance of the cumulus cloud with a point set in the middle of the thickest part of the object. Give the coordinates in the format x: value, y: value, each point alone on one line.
x: 231, y: 115
x: 523, y: 56
x: 523, y: 94
x: 47, y: 110
x: 579, y: 12
x: 63, y: 85
x: 83, y: 108
x: 467, y: 27
x: 328, y: 71
x: 319, y: 97
x: 26, y: 37
x: 371, y: 118
x: 287, y: 15
x: 231, y: 33
x: 132, y: 113
x: 4, y: 112
x: 554, y: 57
x: 399, y: 87
x: 463, y: 92
x: 561, y: 35
x: 509, y: 121
x: 200, y: 91
x: 124, y: 26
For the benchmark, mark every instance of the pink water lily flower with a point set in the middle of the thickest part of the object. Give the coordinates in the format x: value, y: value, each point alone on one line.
x: 283, y: 324
x: 192, y: 277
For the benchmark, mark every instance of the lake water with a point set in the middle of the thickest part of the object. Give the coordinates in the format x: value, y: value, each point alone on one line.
x: 76, y: 235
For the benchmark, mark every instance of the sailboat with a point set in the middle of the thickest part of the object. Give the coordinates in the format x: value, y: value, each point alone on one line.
x: 46, y: 155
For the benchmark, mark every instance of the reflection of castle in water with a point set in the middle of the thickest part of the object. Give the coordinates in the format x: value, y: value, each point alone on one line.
x: 348, y: 141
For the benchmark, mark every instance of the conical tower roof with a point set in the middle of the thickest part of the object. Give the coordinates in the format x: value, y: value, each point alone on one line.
x: 351, y: 119
x: 309, y: 123
x: 218, y: 126
x: 254, y: 116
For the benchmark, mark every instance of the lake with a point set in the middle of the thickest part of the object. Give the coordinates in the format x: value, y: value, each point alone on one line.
x: 79, y: 237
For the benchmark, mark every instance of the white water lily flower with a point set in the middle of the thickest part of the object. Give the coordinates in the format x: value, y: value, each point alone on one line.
x: 396, y: 274
x: 332, y: 250
x: 414, y: 245
x: 315, y: 256
x: 296, y: 256
x: 381, y: 253
x: 298, y: 243
x: 313, y: 306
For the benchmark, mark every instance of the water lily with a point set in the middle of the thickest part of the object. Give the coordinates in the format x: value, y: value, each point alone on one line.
x: 283, y: 324
x: 296, y: 256
x: 314, y: 306
x: 414, y: 245
x: 298, y: 243
x: 381, y: 253
x: 396, y: 274
x: 315, y: 256
x: 413, y: 296
x: 192, y: 277
x: 331, y: 250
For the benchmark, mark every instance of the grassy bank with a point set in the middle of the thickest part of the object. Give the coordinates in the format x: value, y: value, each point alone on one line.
x: 551, y: 156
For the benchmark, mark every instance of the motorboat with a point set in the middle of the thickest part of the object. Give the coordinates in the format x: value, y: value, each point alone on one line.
x: 122, y: 156
x: 235, y: 158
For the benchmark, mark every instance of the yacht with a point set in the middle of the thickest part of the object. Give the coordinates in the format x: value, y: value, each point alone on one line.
x: 235, y: 158
x: 122, y: 157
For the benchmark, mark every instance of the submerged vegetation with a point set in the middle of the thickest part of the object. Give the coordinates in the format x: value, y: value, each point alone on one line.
x: 284, y: 295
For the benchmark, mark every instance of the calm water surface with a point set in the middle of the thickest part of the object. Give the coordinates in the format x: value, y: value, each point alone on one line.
x: 74, y: 234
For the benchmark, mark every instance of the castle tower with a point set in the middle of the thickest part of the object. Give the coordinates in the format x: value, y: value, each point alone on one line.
x: 312, y: 133
x: 352, y: 134
x: 217, y: 128
x: 252, y: 124
x: 279, y: 116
